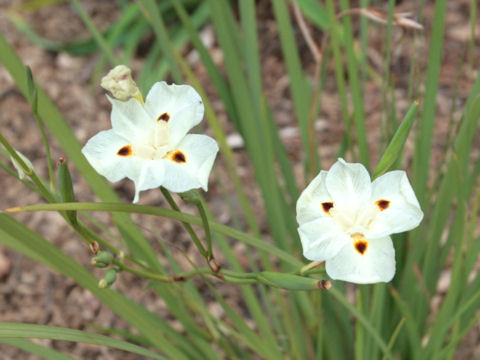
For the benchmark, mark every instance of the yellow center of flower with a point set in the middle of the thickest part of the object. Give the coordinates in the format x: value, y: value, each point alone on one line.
x: 158, y: 144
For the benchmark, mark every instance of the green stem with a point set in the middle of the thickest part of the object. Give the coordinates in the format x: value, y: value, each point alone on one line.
x: 143, y: 273
x: 186, y: 225
x: 157, y: 211
x: 194, y: 198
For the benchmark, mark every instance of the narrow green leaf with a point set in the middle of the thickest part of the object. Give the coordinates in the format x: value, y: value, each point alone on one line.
x: 154, y: 210
x: 95, y: 33
x: 301, y: 91
x: 395, y: 147
x: 35, y: 349
x: 19, y: 330
x: 315, y: 12
x: 358, y: 106
x: 18, y: 237
x: 424, y: 137
x: 155, y: 18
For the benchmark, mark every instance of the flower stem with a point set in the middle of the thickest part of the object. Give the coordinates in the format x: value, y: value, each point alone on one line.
x: 310, y: 268
x: 194, y: 197
x: 186, y: 225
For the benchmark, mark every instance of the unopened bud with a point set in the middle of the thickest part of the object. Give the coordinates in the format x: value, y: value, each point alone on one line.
x: 292, y: 282
x: 102, y: 259
x: 66, y: 188
x: 108, y: 279
x: 94, y: 247
x: 121, y: 256
x: 22, y: 170
x: 120, y: 84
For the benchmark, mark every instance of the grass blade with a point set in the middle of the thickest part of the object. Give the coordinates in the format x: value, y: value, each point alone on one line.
x: 19, y: 330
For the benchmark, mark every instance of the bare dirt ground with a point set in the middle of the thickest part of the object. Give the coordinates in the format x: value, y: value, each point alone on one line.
x: 29, y: 292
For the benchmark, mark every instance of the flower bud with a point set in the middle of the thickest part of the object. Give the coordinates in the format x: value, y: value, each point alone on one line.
x: 108, y: 279
x: 22, y: 171
x: 66, y: 188
x: 103, y: 259
x: 94, y: 247
x: 120, y: 84
x: 292, y: 282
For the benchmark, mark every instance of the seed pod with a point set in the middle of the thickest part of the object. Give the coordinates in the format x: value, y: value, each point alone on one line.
x: 66, y: 188
x: 292, y: 282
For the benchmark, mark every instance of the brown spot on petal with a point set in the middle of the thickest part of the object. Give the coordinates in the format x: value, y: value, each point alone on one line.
x: 165, y: 117
x: 177, y: 156
x: 361, y: 246
x: 382, y: 204
x: 327, y: 206
x: 125, y: 151
x: 360, y: 243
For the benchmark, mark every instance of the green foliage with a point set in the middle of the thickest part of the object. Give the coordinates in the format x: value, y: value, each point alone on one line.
x: 385, y: 321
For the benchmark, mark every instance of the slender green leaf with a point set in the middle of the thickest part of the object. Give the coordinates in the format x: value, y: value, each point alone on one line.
x: 32, y: 348
x: 19, y: 330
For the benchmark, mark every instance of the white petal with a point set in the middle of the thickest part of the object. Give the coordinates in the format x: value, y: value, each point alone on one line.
x: 377, y: 264
x: 199, y: 152
x: 130, y: 120
x: 403, y: 212
x: 350, y: 187
x: 181, y: 102
x: 322, y: 239
x: 101, y: 152
x: 309, y: 204
x: 150, y: 176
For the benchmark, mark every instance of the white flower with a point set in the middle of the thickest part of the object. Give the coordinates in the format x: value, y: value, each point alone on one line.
x: 149, y: 143
x: 19, y: 168
x: 345, y: 220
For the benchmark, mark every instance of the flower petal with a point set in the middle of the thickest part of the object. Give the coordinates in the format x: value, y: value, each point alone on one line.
x: 108, y: 154
x: 180, y: 105
x: 189, y: 166
x: 150, y: 176
x: 322, y: 239
x: 350, y: 187
x: 315, y: 201
x: 101, y: 152
x: 398, y: 208
x: 130, y: 120
x: 377, y: 264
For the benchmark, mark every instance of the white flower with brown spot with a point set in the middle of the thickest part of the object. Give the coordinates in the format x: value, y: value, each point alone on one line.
x: 149, y: 144
x: 346, y: 221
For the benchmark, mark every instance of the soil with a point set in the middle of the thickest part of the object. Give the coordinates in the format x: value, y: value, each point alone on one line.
x: 32, y: 293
